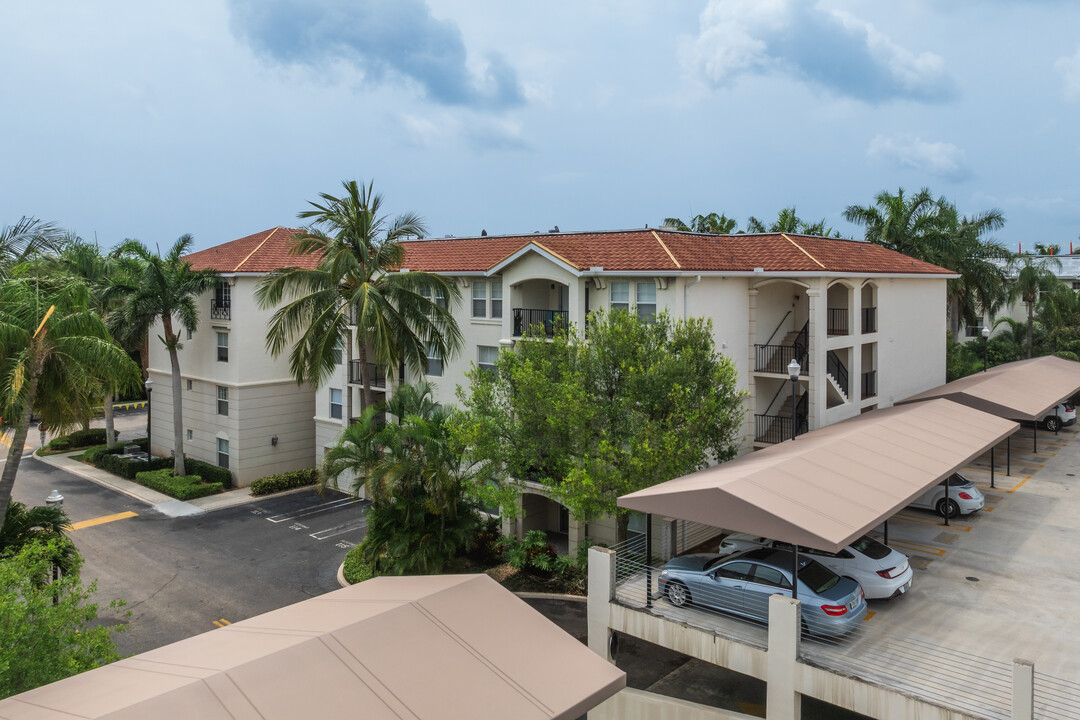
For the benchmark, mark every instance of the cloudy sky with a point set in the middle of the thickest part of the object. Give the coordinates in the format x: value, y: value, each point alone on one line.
x: 224, y: 117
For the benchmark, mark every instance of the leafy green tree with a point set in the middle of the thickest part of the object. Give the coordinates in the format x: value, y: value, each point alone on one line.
x: 399, y: 316
x: 711, y: 223
x: 639, y: 403
x: 1034, y: 278
x: 415, y: 477
x: 166, y: 289
x: 48, y: 631
x: 40, y: 524
x: 54, y: 352
x: 24, y: 239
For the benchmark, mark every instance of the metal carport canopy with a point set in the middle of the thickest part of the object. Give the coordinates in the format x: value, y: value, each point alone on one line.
x: 1022, y: 390
x: 831, y: 485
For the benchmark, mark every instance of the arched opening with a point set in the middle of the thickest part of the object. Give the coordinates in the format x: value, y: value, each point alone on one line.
x: 839, y: 304
x: 539, y: 512
x: 540, y: 306
x: 869, y: 308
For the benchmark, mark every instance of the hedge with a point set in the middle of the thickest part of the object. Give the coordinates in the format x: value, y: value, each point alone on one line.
x: 355, y: 569
x: 78, y: 439
x: 185, y: 487
x: 208, y: 472
x: 285, y: 481
x: 110, y: 461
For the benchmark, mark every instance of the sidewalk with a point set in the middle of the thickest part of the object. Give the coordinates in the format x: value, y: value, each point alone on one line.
x: 158, y: 501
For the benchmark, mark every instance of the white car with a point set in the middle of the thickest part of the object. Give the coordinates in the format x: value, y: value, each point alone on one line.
x: 882, y: 571
x: 964, y: 497
x: 1062, y: 415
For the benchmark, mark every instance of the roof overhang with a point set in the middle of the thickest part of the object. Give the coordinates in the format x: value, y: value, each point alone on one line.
x: 392, y: 647
x: 1022, y: 390
x: 831, y: 485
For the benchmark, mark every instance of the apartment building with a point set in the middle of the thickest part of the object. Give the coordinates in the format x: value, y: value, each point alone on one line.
x: 1065, y: 267
x: 242, y: 409
x: 865, y: 324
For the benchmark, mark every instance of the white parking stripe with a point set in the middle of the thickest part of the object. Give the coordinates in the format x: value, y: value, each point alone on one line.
x: 340, y: 529
x: 314, y: 510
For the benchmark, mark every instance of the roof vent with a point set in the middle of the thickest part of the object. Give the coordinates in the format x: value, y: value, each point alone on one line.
x: 554, y: 229
x: 483, y: 233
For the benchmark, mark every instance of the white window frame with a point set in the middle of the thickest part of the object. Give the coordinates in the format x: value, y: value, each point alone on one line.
x: 480, y: 352
x: 620, y: 304
x: 434, y: 363
x: 496, y: 307
x: 479, y: 295
x: 649, y: 316
x: 223, y: 454
x: 222, y: 344
x: 339, y: 404
x: 223, y: 400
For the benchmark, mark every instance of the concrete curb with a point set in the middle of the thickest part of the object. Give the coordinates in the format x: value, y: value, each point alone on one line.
x: 523, y: 595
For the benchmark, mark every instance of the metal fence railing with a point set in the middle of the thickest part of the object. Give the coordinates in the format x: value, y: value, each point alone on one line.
x: 1056, y: 699
x: 906, y: 660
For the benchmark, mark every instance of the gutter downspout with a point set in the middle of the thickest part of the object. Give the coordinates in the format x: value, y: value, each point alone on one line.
x: 686, y: 296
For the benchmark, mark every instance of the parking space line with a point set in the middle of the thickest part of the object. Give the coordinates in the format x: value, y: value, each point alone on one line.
x: 339, y: 530
x: 920, y: 521
x: 101, y: 520
x: 918, y: 547
x: 314, y: 510
x: 869, y: 613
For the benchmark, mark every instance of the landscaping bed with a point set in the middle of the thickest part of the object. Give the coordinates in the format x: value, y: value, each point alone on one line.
x: 285, y: 481
x: 157, y: 473
x: 78, y: 440
x: 184, y: 487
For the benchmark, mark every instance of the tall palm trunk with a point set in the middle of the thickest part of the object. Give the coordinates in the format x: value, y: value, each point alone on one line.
x: 15, y: 452
x: 177, y: 399
x: 110, y: 440
x: 369, y: 397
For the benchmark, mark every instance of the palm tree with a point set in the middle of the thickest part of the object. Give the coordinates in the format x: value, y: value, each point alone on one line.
x: 1034, y: 277
x: 399, y: 316
x: 23, y: 525
x: 712, y: 223
x: 787, y: 221
x: 54, y: 351
x: 913, y: 226
x: 414, y: 475
x: 24, y: 239
x: 166, y: 289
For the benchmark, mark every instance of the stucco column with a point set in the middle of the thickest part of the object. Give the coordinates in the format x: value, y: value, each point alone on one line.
x: 575, y: 535
x: 749, y: 428
x: 601, y: 593
x: 1023, y: 692
x: 782, y: 700
x: 817, y: 331
x: 855, y: 325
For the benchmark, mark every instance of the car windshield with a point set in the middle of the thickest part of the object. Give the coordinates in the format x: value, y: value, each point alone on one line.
x: 955, y: 480
x: 817, y: 577
x: 870, y: 547
x: 712, y: 563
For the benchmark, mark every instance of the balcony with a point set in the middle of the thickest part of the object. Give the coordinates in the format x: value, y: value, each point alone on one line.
x: 376, y: 375
x: 869, y: 384
x: 776, y: 358
x: 772, y: 429
x: 838, y: 322
x: 529, y: 320
x: 220, y: 309
x: 869, y: 320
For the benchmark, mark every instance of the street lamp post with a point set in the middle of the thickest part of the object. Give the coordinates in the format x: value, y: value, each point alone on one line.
x: 149, y: 405
x: 55, y: 499
x: 986, y: 346
x: 793, y: 370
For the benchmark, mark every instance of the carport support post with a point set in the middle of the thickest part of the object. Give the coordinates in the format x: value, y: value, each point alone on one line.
x: 886, y: 532
x: 1008, y: 455
x: 946, y: 513
x: 794, y: 572
x: 992, y: 448
x: 648, y: 560
x: 782, y: 701
x: 1034, y: 437
x: 1023, y: 690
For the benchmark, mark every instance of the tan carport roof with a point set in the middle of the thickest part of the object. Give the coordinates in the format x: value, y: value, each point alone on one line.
x: 1022, y: 390
x: 458, y: 646
x: 831, y: 485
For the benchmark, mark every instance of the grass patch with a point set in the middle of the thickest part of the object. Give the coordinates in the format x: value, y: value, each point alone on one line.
x: 185, y: 487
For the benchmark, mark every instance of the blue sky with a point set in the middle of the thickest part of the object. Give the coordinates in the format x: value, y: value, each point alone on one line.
x: 224, y: 117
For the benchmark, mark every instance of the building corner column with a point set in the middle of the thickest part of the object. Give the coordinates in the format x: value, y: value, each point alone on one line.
x: 782, y: 699
x: 601, y: 593
x: 1023, y: 690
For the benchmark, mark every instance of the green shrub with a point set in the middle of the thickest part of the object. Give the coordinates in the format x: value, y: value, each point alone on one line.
x: 532, y: 554
x: 356, y: 569
x: 208, y: 472
x: 89, y: 454
x: 285, y: 481
x: 185, y: 487
x: 110, y: 461
x: 78, y: 439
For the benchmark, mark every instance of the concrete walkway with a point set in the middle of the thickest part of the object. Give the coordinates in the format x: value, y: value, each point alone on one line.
x: 158, y: 501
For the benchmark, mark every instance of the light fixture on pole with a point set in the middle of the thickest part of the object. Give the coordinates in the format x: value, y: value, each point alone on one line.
x: 793, y: 370
x: 149, y: 389
x: 986, y: 346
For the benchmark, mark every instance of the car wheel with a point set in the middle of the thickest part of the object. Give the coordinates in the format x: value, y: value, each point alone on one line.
x: 950, y: 511
x: 678, y: 594
x: 1052, y: 423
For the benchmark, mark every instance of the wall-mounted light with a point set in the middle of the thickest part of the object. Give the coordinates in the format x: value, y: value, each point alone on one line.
x: 273, y: 441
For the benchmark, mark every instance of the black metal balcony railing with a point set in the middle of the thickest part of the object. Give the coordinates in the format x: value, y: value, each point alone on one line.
x: 869, y: 320
x: 777, y: 428
x: 835, y: 367
x: 376, y: 375
x: 528, y: 320
x: 838, y: 321
x: 220, y: 309
x: 869, y: 384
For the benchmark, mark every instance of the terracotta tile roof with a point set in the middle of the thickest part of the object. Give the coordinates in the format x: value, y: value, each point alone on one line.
x: 259, y: 253
x: 662, y: 250
x: 622, y: 250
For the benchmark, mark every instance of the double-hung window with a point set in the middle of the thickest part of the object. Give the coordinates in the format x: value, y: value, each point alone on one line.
x: 222, y: 400
x: 479, y: 299
x: 620, y: 296
x: 434, y: 362
x: 337, y: 354
x: 222, y: 452
x: 486, y: 358
x: 335, y: 403
x: 496, y: 298
x: 223, y: 347
x: 646, y: 301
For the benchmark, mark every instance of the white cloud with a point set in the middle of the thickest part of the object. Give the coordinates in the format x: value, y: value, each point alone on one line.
x: 833, y: 49
x: 940, y: 159
x: 1069, y: 67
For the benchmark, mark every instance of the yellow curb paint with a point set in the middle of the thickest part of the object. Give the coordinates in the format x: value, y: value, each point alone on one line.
x: 222, y: 622
x: 869, y: 614
x: 101, y: 520
x: 1020, y: 485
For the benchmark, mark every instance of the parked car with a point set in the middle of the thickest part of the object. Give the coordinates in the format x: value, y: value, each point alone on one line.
x: 1062, y: 415
x: 881, y: 571
x: 741, y: 584
x: 964, y: 497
